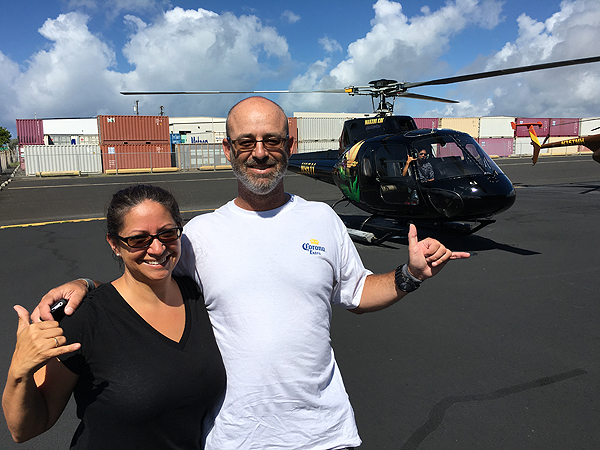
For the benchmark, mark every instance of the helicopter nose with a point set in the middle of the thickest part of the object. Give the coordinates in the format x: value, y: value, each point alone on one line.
x: 447, y: 203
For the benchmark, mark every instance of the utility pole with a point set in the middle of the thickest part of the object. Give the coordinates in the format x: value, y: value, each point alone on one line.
x: 136, y: 109
x: 162, y: 110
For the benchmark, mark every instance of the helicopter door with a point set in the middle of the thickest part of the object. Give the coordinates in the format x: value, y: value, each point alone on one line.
x: 395, y: 188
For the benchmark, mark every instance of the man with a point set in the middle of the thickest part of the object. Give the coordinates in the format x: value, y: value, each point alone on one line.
x: 271, y: 265
x: 424, y: 168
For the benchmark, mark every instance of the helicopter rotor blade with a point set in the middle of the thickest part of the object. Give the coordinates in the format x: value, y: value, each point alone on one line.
x: 426, y: 97
x: 324, y: 91
x: 497, y: 73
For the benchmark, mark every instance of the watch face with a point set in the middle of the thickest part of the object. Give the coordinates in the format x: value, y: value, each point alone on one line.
x: 407, y: 287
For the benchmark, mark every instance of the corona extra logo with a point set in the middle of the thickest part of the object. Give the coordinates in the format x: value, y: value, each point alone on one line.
x: 308, y: 168
x: 313, y: 247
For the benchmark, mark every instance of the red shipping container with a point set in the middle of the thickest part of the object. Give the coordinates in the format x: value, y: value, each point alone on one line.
x: 30, y: 131
x: 133, y: 129
x: 135, y: 156
x: 293, y: 132
x: 564, y: 127
x: 427, y: 123
x: 497, y: 146
x: 524, y: 132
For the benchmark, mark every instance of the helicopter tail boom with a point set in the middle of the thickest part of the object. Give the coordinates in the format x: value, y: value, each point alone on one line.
x: 317, y: 165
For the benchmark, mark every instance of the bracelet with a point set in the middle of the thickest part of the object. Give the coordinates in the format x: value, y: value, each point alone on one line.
x: 90, y: 283
x: 405, y: 281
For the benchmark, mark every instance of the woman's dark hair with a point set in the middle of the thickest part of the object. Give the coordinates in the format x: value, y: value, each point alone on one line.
x: 127, y: 198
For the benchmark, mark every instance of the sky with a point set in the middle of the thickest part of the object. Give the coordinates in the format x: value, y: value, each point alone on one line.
x: 71, y: 58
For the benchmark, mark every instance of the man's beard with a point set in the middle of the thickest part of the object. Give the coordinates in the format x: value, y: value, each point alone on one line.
x: 260, y: 184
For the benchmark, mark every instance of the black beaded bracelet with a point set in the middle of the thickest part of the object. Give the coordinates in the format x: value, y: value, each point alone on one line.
x: 90, y: 283
x: 405, y: 281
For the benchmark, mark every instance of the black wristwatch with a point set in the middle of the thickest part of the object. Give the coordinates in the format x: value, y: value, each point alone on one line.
x: 405, y: 281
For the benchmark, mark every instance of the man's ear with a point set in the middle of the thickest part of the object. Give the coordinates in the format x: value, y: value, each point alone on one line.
x: 290, y: 145
x: 227, y: 149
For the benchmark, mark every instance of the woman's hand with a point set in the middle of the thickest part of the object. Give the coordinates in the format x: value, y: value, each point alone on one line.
x: 37, y: 343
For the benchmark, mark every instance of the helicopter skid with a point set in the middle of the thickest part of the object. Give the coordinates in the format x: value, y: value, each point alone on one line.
x: 375, y: 229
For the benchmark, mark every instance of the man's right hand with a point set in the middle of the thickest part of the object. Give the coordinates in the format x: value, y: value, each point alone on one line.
x: 73, y: 292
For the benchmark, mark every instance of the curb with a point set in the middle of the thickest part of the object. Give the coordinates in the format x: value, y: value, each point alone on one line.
x: 12, y: 175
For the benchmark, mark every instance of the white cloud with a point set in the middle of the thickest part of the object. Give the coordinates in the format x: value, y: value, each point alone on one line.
x: 399, y: 46
x: 290, y: 16
x: 180, y: 50
x: 58, y: 81
x: 569, y: 33
x: 330, y: 45
x: 412, y: 48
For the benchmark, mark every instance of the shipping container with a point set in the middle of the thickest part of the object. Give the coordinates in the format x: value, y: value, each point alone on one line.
x: 566, y: 150
x: 497, y: 146
x: 133, y: 129
x: 187, y: 125
x: 201, y: 156
x: 589, y: 126
x: 207, y: 137
x: 496, y: 127
x: 523, y: 147
x: 135, y: 156
x: 59, y: 158
x: 293, y: 133
x: 67, y: 139
x: 428, y: 123
x: 80, y: 126
x: 564, y: 127
x: 469, y: 125
x: 319, y: 133
x: 30, y: 131
x: 524, y: 132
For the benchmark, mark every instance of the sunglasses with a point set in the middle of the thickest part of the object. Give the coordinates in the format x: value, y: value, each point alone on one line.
x: 249, y: 144
x: 145, y: 240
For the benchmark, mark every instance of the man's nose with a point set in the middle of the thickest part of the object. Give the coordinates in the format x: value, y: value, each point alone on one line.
x: 259, y: 151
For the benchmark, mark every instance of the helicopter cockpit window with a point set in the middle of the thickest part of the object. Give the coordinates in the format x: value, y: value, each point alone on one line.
x: 391, y: 159
x: 454, y: 156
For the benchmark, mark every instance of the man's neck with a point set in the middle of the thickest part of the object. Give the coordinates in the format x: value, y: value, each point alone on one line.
x: 251, y: 201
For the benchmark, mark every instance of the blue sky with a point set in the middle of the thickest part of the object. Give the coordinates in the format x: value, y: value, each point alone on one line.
x: 71, y: 58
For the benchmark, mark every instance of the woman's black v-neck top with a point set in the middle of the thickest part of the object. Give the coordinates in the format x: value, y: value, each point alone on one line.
x: 137, y: 388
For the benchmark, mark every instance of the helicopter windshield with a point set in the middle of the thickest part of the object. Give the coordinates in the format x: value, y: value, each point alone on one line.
x: 454, y: 155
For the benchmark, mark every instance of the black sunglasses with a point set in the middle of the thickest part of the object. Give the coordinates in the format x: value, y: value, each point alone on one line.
x: 145, y: 240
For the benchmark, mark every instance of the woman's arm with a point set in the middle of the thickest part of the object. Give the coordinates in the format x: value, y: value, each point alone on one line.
x: 38, y: 386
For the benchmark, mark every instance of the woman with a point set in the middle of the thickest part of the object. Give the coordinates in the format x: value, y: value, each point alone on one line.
x: 139, y: 354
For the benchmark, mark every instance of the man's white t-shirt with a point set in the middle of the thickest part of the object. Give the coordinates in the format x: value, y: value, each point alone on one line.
x: 269, y: 281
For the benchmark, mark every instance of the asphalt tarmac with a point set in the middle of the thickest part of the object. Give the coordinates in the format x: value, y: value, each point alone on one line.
x: 500, y: 351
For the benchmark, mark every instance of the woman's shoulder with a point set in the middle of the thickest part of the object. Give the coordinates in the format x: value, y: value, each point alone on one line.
x: 188, y: 287
x: 92, y: 304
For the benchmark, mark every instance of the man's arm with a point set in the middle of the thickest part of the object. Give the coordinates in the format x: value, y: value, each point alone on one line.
x: 425, y: 259
x: 73, y: 292
x: 406, y: 166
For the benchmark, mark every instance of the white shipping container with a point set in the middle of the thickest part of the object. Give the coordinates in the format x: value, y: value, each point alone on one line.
x: 496, y: 127
x: 200, y: 156
x: 208, y: 137
x: 589, y: 126
x: 523, y: 147
x: 70, y: 126
x: 62, y: 158
x: 319, y: 133
x: 194, y: 125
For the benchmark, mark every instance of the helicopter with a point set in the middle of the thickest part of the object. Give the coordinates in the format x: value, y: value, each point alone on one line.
x: 394, y: 171
x: 592, y: 141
